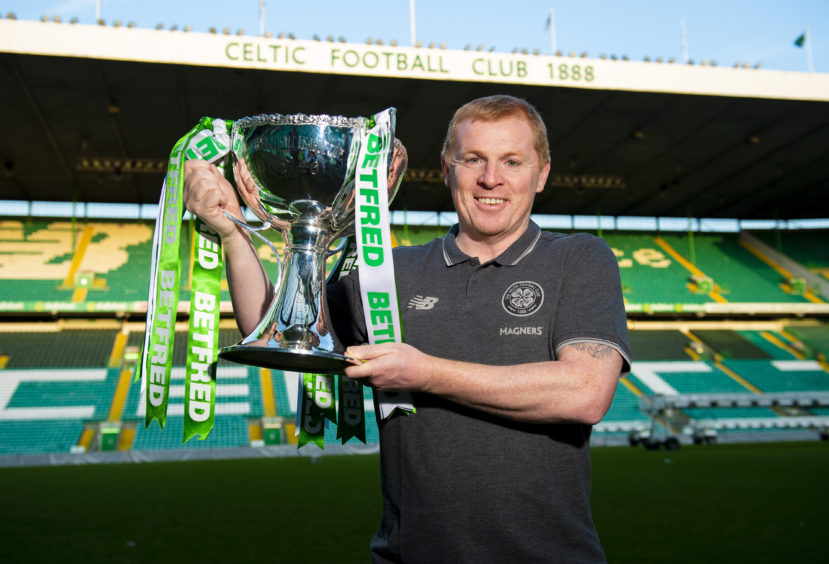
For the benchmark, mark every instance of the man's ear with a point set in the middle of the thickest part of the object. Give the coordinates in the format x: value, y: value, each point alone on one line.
x: 542, y: 178
x: 444, y: 166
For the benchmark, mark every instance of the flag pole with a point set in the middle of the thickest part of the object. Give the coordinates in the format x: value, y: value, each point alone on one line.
x: 261, y: 18
x: 809, y: 58
x: 552, y: 20
x: 412, y: 21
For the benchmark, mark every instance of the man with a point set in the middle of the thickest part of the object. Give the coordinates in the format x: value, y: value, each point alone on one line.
x: 515, y: 339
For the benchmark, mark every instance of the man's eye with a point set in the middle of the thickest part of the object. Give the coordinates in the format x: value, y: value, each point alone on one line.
x: 512, y: 162
x: 472, y: 161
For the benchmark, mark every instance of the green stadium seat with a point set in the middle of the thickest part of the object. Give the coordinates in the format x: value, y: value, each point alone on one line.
x: 782, y: 375
x: 659, y: 344
x: 808, y: 247
x: 730, y: 344
x: 741, y: 276
x: 815, y: 337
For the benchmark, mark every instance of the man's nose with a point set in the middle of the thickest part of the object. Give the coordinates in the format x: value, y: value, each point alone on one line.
x: 490, y: 175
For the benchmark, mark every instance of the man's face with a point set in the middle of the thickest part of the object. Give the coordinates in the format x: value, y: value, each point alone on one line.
x: 494, y: 174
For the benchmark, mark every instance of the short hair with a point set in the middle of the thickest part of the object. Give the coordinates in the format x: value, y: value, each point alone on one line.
x: 494, y: 108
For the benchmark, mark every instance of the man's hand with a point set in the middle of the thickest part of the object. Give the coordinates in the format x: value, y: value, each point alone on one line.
x: 390, y: 366
x: 207, y: 194
x: 578, y: 387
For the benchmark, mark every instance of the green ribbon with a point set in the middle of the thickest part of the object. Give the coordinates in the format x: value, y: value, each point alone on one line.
x: 351, y: 416
x: 378, y: 289
x: 208, y: 140
x: 203, y: 334
x: 351, y: 420
x: 317, y: 405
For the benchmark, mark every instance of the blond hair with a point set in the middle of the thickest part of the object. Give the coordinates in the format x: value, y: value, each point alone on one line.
x: 494, y: 108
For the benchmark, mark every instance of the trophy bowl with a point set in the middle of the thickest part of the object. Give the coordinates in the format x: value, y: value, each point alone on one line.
x: 296, y: 173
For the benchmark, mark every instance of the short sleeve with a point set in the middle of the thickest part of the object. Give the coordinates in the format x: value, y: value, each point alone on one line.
x: 590, y: 304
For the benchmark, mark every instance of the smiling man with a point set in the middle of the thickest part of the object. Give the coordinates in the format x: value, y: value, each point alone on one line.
x: 515, y: 340
x: 494, y: 166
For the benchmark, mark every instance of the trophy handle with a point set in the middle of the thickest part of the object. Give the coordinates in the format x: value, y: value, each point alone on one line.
x: 338, y: 249
x: 255, y: 231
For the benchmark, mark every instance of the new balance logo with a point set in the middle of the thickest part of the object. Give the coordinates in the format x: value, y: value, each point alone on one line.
x: 421, y: 302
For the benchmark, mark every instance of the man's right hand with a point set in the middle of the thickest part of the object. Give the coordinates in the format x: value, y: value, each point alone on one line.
x: 208, y: 194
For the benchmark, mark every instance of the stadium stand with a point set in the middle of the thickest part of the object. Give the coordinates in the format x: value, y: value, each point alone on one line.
x: 730, y: 344
x: 66, y: 385
x: 816, y: 337
x: 708, y: 378
x: 809, y: 248
x: 109, y: 271
x: 661, y: 344
x: 649, y: 275
x: 737, y: 274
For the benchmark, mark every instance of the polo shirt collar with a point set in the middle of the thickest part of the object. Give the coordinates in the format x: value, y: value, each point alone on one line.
x: 513, y: 255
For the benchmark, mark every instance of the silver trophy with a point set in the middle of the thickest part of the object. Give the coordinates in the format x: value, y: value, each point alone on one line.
x: 296, y: 173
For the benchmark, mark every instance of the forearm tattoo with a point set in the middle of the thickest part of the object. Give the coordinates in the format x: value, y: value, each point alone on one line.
x: 596, y: 350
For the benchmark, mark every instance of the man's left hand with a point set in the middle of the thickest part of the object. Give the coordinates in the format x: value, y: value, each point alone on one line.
x: 389, y: 366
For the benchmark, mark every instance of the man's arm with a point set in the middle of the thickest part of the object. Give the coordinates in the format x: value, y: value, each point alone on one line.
x: 207, y: 194
x: 577, y: 387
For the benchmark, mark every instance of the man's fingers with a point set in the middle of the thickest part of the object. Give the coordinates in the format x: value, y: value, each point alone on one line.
x: 207, y: 193
x: 368, y: 352
x: 204, y: 198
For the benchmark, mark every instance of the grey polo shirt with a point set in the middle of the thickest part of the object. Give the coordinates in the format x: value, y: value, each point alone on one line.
x: 463, y: 486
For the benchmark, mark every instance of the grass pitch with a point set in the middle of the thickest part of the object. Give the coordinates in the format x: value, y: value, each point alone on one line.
x: 721, y: 503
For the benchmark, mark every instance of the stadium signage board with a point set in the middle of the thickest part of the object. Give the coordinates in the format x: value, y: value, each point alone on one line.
x: 203, y: 49
x: 762, y: 308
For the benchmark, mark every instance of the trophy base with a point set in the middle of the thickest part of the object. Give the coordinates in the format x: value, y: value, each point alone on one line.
x: 295, y: 360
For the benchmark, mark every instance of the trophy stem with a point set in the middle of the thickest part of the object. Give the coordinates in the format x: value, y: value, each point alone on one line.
x: 299, y: 315
x: 296, y: 319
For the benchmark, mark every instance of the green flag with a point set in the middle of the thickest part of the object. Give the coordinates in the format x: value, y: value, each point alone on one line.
x: 801, y: 40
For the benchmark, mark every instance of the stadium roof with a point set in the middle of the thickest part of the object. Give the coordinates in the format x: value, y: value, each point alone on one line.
x: 91, y: 112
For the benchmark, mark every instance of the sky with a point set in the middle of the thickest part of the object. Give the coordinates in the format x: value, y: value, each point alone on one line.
x: 724, y: 31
